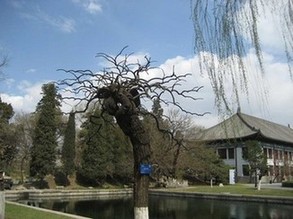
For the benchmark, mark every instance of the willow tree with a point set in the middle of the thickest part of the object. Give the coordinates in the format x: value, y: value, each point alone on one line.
x: 224, y: 33
x: 120, y: 89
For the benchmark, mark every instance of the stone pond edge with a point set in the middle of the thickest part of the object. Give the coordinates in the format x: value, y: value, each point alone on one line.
x: 95, y: 193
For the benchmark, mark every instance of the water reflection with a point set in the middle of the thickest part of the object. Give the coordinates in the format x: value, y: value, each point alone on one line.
x: 172, y: 208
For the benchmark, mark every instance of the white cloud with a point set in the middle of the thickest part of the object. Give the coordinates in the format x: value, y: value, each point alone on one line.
x: 62, y: 23
x: 26, y: 102
x: 90, y: 6
x: 35, y: 14
x: 31, y: 70
x: 31, y: 95
x: 270, y: 98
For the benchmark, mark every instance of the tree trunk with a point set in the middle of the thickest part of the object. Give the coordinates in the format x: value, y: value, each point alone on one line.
x: 2, y: 205
x: 133, y: 128
x: 175, y: 160
x: 259, y: 182
x: 258, y: 185
x: 2, y: 198
x: 21, y: 169
x: 255, y: 179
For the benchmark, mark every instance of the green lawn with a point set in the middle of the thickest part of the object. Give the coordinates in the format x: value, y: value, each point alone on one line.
x: 238, y: 189
x: 16, y: 211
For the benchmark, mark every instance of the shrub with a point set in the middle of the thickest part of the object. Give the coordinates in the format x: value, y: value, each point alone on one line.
x: 61, y: 179
x: 287, y: 184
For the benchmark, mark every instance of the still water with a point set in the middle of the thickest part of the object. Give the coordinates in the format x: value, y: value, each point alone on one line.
x: 172, y: 208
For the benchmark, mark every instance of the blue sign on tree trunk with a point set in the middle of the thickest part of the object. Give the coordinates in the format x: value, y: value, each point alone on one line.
x: 145, y: 169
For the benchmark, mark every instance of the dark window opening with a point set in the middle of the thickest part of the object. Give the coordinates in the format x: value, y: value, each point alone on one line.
x: 222, y: 153
x: 245, y: 170
x: 244, y: 153
x: 231, y: 153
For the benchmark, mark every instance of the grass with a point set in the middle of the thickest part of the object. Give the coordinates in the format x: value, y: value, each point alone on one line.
x: 239, y: 189
x: 13, y: 211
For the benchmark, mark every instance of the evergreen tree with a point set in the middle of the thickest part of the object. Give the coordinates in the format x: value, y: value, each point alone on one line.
x: 122, y: 156
x: 43, y: 151
x: 97, y: 156
x: 7, y: 136
x: 68, y: 149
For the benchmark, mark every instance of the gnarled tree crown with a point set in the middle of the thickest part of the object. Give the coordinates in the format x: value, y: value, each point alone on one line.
x: 122, y: 86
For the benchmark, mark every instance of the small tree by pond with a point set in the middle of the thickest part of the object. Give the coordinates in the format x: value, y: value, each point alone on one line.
x: 119, y: 89
x: 257, y: 161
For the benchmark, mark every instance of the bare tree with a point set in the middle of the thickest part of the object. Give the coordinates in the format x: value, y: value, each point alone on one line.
x: 179, y: 126
x: 24, y: 124
x: 120, y: 89
x: 3, y: 63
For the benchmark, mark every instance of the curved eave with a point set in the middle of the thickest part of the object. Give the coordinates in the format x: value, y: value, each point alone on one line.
x: 274, y: 141
x: 256, y: 136
x: 233, y: 140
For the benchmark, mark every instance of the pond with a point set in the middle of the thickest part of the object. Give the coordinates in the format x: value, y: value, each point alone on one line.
x: 171, y: 208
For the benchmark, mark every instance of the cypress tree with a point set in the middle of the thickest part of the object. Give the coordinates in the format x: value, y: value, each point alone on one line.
x: 43, y: 151
x: 68, y: 149
x: 97, y: 156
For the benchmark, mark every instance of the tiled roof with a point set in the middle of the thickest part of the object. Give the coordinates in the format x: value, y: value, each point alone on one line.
x: 241, y: 126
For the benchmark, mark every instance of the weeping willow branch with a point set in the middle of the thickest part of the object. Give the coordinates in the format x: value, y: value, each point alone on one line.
x: 225, y: 31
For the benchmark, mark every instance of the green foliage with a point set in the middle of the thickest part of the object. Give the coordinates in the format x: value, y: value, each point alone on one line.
x: 8, y: 137
x: 287, y: 184
x: 201, y: 164
x: 61, y: 178
x: 181, y: 158
x: 162, y: 154
x: 122, y: 157
x: 43, y: 151
x: 6, y: 112
x: 68, y: 149
x: 255, y: 157
x: 105, y: 154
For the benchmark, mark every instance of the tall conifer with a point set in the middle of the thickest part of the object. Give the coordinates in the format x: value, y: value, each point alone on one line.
x: 43, y: 152
x: 68, y: 149
x: 97, y: 157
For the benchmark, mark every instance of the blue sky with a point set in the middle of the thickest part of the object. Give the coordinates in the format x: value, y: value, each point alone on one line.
x: 40, y: 37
